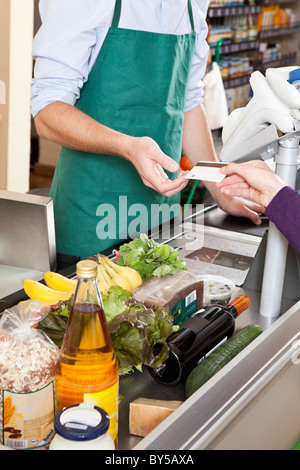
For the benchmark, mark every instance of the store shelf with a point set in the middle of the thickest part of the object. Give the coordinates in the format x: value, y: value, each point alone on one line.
x: 237, y: 47
x: 271, y: 2
x: 219, y: 12
x: 268, y: 33
x: 283, y: 61
x: 236, y: 81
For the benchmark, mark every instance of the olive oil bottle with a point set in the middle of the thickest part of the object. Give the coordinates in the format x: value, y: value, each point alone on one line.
x: 87, y: 370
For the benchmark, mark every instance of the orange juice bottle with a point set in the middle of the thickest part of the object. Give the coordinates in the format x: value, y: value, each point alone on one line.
x: 87, y: 370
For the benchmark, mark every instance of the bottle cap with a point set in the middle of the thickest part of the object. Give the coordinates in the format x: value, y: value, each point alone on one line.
x: 241, y: 303
x: 87, y: 268
x: 81, y: 422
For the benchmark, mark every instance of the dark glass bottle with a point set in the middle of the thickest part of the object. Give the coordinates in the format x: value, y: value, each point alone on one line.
x: 197, y: 337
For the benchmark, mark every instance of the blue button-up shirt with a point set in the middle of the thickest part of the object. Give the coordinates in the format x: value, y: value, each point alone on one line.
x: 67, y: 44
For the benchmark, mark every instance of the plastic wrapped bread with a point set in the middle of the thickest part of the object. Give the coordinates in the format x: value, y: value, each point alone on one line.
x: 181, y: 294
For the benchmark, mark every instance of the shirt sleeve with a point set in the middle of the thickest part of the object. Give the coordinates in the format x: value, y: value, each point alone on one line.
x: 63, y: 48
x: 284, y: 212
x: 195, y: 87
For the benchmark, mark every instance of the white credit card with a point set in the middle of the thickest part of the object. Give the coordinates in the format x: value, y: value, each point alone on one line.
x: 207, y: 171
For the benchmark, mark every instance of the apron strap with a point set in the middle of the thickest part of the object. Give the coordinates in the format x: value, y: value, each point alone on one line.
x: 117, y: 14
x: 190, y: 9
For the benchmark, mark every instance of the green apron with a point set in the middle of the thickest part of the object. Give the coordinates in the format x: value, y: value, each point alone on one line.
x: 138, y: 87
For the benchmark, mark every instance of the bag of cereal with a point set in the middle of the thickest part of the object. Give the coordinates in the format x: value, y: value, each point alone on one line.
x: 27, y: 372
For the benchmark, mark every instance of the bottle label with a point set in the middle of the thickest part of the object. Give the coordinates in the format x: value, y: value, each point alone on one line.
x: 107, y: 400
x: 213, y: 349
x: 28, y: 418
x: 184, y: 308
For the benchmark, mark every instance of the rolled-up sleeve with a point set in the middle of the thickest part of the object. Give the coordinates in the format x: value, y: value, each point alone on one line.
x: 62, y: 50
x: 195, y: 87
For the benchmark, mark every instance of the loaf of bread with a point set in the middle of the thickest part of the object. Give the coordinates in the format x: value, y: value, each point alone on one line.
x: 170, y: 290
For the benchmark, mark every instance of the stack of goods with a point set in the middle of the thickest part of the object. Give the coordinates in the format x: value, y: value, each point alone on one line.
x: 272, y: 16
x: 234, y: 29
x: 235, y: 66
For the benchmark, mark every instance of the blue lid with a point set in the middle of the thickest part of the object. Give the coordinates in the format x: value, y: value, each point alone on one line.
x: 294, y: 75
x: 81, y: 422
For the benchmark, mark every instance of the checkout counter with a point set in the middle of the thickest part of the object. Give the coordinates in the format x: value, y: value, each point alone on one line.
x: 254, y: 401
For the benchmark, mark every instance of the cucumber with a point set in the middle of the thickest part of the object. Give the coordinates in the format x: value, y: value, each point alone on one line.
x: 220, y: 357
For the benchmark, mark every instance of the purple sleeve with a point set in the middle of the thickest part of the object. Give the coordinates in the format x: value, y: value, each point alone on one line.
x: 284, y: 211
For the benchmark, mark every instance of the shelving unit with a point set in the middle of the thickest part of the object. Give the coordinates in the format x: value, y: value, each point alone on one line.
x: 221, y: 15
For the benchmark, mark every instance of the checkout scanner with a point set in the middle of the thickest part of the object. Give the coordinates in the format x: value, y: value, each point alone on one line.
x: 269, y: 127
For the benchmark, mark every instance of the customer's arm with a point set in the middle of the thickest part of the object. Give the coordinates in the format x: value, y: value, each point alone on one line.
x: 255, y: 180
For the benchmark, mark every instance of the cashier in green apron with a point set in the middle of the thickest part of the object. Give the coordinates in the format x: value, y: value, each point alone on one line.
x: 118, y: 85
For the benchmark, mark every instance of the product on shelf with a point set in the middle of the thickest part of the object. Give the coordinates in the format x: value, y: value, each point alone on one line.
x: 225, y: 3
x: 272, y: 16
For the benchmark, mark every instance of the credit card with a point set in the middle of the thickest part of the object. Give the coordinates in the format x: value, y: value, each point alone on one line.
x: 207, y: 171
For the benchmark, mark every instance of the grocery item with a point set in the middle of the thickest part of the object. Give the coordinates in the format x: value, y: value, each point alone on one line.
x: 27, y: 372
x: 217, y: 290
x: 111, y: 274
x: 181, y: 294
x: 59, y: 282
x: 150, y: 258
x: 197, y: 337
x: 220, y: 357
x: 37, y: 291
x: 87, y: 370
x: 82, y: 427
x: 146, y: 413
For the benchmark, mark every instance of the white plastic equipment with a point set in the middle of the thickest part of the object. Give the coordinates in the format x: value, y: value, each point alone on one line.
x: 269, y: 126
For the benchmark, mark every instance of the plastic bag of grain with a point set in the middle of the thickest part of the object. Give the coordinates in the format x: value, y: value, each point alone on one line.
x: 27, y: 371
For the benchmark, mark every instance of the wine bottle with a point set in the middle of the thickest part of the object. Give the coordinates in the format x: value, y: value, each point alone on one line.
x: 196, y: 338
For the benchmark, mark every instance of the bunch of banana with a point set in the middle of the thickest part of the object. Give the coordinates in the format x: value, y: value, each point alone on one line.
x: 111, y: 274
x: 59, y: 287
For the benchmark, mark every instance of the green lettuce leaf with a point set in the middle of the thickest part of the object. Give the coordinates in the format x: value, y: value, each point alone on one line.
x: 150, y: 258
x: 136, y: 331
x: 115, y: 302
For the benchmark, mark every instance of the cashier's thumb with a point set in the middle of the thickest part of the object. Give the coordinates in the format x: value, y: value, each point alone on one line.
x: 168, y: 163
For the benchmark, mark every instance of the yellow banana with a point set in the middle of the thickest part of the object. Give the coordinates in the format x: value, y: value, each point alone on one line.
x: 58, y: 282
x: 118, y: 279
x: 38, y: 291
x: 102, y: 287
x: 104, y: 278
x: 133, y: 277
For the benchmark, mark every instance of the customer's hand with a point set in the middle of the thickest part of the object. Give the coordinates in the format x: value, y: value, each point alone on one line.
x: 150, y: 162
x: 253, y: 180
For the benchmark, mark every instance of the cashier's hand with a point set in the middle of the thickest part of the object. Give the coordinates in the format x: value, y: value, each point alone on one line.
x: 253, y: 180
x: 150, y: 162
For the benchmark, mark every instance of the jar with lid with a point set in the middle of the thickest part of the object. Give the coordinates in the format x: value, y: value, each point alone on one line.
x: 82, y: 427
